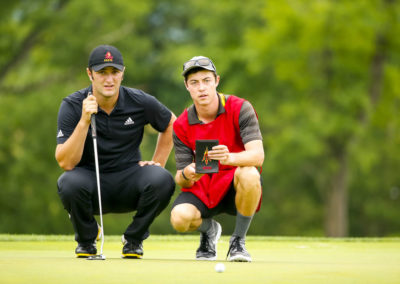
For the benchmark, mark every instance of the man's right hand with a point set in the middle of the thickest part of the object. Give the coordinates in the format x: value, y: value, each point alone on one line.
x: 89, y: 107
x: 190, y: 172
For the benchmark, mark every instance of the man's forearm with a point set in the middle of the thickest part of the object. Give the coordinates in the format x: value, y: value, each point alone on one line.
x: 181, y: 181
x: 164, y: 144
x: 249, y: 158
x: 163, y: 149
x: 252, y: 156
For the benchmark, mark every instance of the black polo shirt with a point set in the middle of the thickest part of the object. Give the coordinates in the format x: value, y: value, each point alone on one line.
x: 119, y: 134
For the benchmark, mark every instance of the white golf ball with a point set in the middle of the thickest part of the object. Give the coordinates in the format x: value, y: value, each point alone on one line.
x: 219, y: 267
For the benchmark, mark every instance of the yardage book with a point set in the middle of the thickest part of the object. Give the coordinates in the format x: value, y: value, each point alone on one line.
x: 204, y: 165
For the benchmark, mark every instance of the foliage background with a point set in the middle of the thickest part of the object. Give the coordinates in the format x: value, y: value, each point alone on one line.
x: 324, y: 77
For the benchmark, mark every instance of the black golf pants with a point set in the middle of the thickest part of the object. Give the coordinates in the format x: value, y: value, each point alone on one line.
x: 146, y: 190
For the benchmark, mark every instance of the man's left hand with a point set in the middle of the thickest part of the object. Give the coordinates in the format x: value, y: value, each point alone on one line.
x: 146, y: 163
x: 220, y: 153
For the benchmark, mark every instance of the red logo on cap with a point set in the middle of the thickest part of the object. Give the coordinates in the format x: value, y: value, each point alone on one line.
x: 108, y: 57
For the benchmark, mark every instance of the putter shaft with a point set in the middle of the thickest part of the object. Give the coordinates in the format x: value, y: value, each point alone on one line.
x: 96, y: 160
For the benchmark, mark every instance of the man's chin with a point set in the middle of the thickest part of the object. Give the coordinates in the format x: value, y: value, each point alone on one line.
x: 109, y: 93
x: 203, y: 102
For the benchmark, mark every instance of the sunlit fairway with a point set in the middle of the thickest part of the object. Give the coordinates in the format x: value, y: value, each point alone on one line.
x: 170, y: 259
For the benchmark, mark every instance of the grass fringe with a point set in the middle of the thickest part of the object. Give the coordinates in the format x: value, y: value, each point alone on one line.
x: 190, y: 237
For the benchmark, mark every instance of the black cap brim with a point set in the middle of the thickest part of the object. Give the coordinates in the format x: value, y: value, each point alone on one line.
x: 101, y: 66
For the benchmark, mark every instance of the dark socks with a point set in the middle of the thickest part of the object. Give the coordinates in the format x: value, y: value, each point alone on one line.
x: 242, y: 225
x: 205, y: 225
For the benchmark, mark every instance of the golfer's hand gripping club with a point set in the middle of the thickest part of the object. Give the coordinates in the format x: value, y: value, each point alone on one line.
x: 89, y: 107
x: 92, y: 121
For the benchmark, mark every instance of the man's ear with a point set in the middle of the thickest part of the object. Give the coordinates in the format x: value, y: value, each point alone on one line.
x: 217, y: 81
x: 89, y: 74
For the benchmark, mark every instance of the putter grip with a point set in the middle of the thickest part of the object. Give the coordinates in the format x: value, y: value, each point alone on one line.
x: 93, y: 124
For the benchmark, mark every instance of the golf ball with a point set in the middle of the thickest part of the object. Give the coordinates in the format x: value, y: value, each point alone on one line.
x: 219, y: 267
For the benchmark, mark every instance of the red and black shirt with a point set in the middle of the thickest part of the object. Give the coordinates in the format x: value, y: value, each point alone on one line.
x: 235, y: 125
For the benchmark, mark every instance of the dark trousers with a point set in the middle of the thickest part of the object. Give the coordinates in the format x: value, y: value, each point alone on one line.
x: 146, y: 190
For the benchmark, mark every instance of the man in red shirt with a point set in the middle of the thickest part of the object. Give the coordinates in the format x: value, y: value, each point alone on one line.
x: 236, y: 188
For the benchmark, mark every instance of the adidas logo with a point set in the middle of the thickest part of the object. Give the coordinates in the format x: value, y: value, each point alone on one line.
x: 60, y: 134
x: 129, y: 121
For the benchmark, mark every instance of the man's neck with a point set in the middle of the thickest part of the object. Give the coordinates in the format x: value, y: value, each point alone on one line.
x: 107, y: 103
x: 207, y: 113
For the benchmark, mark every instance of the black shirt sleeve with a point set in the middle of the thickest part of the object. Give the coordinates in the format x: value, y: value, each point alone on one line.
x: 157, y: 114
x: 66, y: 122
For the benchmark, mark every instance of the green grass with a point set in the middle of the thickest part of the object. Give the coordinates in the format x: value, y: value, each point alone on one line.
x: 169, y: 259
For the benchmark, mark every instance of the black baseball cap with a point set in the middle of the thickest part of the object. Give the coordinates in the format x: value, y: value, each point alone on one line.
x: 105, y: 55
x: 198, y: 62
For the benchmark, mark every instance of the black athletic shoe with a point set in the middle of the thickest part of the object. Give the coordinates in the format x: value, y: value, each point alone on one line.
x: 237, y: 250
x: 132, y: 249
x: 208, y: 243
x: 85, y: 250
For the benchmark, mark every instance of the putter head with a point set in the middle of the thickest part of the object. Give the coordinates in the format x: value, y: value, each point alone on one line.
x: 97, y: 257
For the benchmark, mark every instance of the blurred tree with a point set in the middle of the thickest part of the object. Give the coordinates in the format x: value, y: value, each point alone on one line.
x: 327, y: 61
x: 322, y: 75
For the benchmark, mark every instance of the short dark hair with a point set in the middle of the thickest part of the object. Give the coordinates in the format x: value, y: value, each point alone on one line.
x: 198, y: 69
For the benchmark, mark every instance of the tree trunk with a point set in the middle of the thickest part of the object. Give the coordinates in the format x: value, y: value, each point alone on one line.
x: 336, y: 215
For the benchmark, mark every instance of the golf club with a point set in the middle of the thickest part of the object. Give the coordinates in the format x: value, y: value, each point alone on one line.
x: 96, y: 160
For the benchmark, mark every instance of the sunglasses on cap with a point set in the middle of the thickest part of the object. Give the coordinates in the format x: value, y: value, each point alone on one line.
x: 200, y: 62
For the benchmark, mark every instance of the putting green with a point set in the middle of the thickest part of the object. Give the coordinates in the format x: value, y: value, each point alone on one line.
x: 169, y: 259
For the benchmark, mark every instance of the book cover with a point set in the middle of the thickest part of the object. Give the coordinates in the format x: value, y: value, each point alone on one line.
x: 204, y: 165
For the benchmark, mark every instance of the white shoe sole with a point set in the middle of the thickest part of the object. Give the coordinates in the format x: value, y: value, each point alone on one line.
x: 239, y: 258
x: 205, y: 258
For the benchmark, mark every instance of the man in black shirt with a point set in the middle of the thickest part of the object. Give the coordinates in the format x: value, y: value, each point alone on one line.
x: 127, y: 182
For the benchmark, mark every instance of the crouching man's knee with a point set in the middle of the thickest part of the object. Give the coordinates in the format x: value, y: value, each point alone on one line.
x: 185, y: 217
x: 74, y: 185
x: 247, y: 179
x: 248, y: 190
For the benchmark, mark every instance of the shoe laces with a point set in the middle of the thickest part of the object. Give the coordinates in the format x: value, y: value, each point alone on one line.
x: 204, y: 242
x: 130, y: 244
x: 88, y: 245
x: 133, y: 244
x: 237, y: 244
